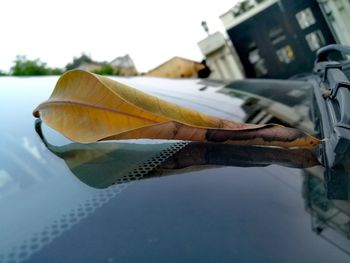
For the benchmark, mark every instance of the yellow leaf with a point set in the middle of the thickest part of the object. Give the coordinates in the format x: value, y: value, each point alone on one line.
x: 86, y: 108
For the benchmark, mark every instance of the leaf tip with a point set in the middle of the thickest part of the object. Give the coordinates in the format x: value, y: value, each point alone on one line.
x: 36, y: 113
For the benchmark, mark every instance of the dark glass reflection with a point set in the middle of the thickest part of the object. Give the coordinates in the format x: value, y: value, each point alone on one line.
x: 330, y: 219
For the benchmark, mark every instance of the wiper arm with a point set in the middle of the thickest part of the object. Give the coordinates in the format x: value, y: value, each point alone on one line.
x: 331, y: 115
x: 333, y: 111
x: 332, y: 107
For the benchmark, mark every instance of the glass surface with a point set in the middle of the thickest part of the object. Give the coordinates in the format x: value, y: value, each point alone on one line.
x: 106, y: 202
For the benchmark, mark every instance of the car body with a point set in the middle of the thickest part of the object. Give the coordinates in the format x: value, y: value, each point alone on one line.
x: 166, y: 201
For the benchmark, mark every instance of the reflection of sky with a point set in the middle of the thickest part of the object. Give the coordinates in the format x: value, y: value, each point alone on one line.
x: 4, y: 178
x: 32, y: 149
x: 7, y: 185
x: 185, y: 93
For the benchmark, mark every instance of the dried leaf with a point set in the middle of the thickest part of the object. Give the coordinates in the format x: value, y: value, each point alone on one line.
x: 86, y: 108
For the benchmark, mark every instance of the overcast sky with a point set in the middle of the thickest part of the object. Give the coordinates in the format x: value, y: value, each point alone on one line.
x: 150, y: 31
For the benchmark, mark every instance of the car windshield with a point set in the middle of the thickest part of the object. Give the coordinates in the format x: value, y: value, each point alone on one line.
x: 54, y: 192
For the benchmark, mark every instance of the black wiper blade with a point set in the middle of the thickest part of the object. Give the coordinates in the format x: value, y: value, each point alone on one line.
x: 332, y: 107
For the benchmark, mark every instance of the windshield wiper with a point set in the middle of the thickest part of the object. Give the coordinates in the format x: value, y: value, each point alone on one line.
x: 332, y: 106
x: 331, y: 115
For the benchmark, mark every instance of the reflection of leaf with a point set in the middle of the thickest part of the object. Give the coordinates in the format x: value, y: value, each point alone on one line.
x: 101, y: 164
x: 86, y: 108
x: 244, y: 156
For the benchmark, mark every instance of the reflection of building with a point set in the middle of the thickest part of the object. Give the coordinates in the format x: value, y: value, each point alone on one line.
x: 277, y: 39
x: 219, y: 57
x: 177, y: 67
x: 329, y: 218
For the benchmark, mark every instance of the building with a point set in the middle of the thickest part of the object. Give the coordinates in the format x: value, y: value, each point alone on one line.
x: 337, y: 13
x: 91, y: 66
x: 125, y: 65
x: 279, y: 38
x: 177, y: 67
x: 219, y: 57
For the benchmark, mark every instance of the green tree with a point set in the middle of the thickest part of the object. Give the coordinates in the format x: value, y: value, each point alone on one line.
x: 2, y: 73
x: 77, y: 61
x: 25, y: 67
x: 106, y: 70
x: 55, y: 71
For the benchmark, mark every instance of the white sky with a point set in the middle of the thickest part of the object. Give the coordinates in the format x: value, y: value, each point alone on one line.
x: 150, y: 31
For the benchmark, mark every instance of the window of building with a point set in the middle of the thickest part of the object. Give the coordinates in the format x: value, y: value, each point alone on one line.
x: 277, y: 35
x: 285, y: 54
x: 305, y: 18
x: 258, y: 62
x: 315, y: 40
